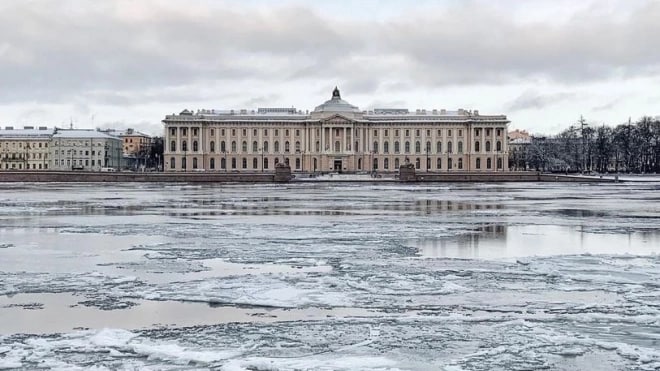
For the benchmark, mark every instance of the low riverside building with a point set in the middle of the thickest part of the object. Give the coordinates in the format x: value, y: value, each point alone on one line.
x: 335, y: 137
x: 90, y: 150
x: 25, y: 149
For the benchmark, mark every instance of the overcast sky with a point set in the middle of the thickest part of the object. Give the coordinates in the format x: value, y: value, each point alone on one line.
x: 129, y: 63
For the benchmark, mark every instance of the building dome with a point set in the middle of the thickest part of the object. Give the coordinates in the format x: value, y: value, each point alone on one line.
x: 336, y: 104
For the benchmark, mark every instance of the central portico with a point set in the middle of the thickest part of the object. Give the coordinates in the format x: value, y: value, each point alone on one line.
x: 335, y: 137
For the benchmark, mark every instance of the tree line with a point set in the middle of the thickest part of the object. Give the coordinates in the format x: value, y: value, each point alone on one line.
x: 632, y: 147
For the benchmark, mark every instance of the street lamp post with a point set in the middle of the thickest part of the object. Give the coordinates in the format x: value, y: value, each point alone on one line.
x: 262, y: 159
x: 428, y: 165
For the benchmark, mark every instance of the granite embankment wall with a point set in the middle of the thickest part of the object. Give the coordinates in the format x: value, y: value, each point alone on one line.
x: 281, y: 175
x: 111, y: 177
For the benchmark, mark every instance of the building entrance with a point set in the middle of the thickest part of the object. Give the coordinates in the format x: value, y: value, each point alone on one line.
x: 337, y: 166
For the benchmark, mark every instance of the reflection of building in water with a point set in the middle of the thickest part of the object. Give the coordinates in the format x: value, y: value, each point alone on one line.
x: 336, y: 136
x: 492, y: 236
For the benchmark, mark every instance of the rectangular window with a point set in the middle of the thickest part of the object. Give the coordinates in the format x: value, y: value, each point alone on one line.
x: 396, y: 132
x: 265, y: 132
x: 375, y: 133
x: 254, y: 132
x: 277, y: 132
x: 233, y: 132
x: 245, y: 132
x: 212, y: 132
x: 449, y: 132
x: 286, y: 132
x: 417, y: 132
x: 297, y: 132
x: 460, y: 133
x: 222, y: 132
x: 387, y: 132
x: 407, y: 132
x: 428, y: 133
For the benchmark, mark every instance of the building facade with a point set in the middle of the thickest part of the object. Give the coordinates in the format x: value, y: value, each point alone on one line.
x: 88, y: 150
x: 134, y: 142
x: 335, y: 137
x: 25, y: 149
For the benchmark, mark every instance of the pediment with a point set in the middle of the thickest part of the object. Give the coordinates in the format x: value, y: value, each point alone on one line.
x: 336, y: 119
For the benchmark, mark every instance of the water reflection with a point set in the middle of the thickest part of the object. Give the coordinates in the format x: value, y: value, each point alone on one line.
x: 503, y: 241
x: 249, y: 206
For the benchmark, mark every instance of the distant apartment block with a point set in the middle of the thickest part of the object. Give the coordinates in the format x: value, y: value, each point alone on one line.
x: 25, y: 149
x: 90, y: 150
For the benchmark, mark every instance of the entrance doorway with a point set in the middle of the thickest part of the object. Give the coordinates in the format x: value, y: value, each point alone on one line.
x: 337, y: 166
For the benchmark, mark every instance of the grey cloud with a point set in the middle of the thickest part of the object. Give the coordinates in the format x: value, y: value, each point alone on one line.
x: 55, y: 51
x: 607, y: 106
x: 534, y: 100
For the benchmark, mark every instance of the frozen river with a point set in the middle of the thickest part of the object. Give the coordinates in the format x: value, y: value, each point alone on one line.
x: 330, y: 276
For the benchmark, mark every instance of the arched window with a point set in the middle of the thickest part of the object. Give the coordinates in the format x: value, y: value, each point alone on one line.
x: 316, y: 163
x: 184, y: 146
x: 183, y: 163
x: 460, y: 163
x: 375, y: 165
x: 498, y: 146
x: 375, y: 147
x: 397, y: 147
x: 244, y: 163
x: 195, y: 146
x: 297, y: 164
x: 173, y: 146
x: 477, y: 146
x: 396, y: 163
x: 255, y: 147
x: 277, y: 147
x: 318, y: 146
x: 386, y: 163
x: 244, y: 146
x: 255, y: 163
x: 223, y: 163
x: 499, y: 163
x: 359, y: 163
x: 418, y: 147
x: 450, y: 148
x: 478, y: 163
x: 418, y: 163
x: 233, y: 146
x: 212, y: 146
x: 386, y: 148
x: 438, y: 164
x: 337, y: 146
x: 449, y: 164
x: 428, y: 147
x: 407, y: 147
x: 487, y: 146
x: 489, y: 163
x: 297, y: 146
x: 194, y: 162
x: 460, y: 146
x: 286, y: 147
x: 265, y: 148
x: 438, y: 147
x: 223, y: 147
x: 172, y: 162
x: 265, y: 163
x: 212, y: 163
x: 233, y: 162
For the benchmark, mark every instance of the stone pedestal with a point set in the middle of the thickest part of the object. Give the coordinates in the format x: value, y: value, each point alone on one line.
x: 282, y: 173
x: 407, y: 173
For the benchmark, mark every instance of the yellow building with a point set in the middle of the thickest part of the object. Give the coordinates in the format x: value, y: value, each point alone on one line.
x: 134, y: 142
x: 25, y: 149
x: 335, y: 137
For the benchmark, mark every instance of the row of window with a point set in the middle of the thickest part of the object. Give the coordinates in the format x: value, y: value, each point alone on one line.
x: 338, y: 132
x: 27, y: 145
x: 337, y: 147
x: 375, y: 163
x: 68, y: 162
x: 74, y: 153
x: 27, y: 166
x: 15, y: 156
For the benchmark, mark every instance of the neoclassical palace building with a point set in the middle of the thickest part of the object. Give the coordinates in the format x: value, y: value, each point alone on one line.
x: 335, y: 137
